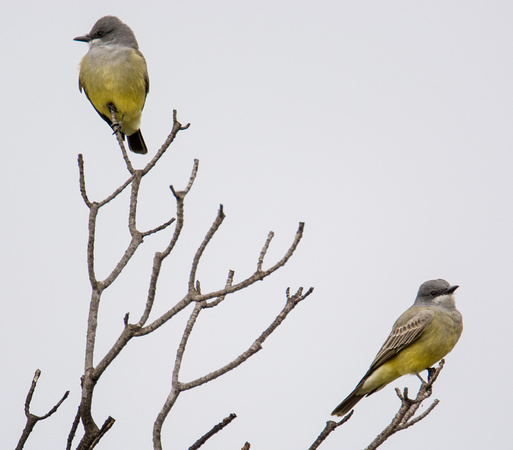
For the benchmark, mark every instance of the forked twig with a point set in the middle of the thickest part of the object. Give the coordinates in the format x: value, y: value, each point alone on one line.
x: 32, y: 419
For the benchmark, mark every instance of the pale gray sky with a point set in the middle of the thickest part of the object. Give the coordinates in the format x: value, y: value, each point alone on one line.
x: 385, y: 126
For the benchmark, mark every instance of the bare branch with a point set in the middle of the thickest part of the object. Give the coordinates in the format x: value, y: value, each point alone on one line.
x: 116, y: 126
x: 73, y: 430
x: 93, y: 213
x: 331, y: 425
x: 92, y: 434
x: 264, y: 251
x: 177, y: 126
x: 213, y: 431
x: 215, y: 226
x: 116, y: 192
x: 159, y: 228
x: 256, y: 346
x: 107, y: 425
x: 81, y: 172
x: 403, y: 418
x: 219, y: 299
x: 220, y: 294
x: 178, y: 387
x: 160, y: 256
x: 32, y: 419
x: 136, y: 240
x: 185, y: 337
x: 257, y: 276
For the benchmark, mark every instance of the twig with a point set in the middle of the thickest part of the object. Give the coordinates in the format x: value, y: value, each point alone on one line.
x: 219, y: 299
x: 73, y: 430
x: 32, y: 419
x: 107, y: 425
x: 116, y: 126
x: 81, y: 178
x: 215, y: 226
x: 331, y: 425
x: 264, y: 251
x: 178, y: 387
x: 403, y: 418
x: 159, y: 228
x: 177, y: 126
x: 257, y: 344
x: 213, y: 431
x: 159, y: 258
x: 228, y: 289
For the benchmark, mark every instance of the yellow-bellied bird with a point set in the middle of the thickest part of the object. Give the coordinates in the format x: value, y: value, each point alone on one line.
x: 114, y: 77
x: 423, y: 335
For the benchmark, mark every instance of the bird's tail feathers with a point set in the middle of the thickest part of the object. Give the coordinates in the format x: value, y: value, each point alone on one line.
x: 347, y: 405
x: 136, y: 143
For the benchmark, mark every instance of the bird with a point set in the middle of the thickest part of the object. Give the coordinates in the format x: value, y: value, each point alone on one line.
x: 114, y: 77
x: 420, y: 337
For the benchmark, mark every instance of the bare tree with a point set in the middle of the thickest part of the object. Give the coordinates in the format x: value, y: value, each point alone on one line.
x: 93, y: 370
x: 194, y: 297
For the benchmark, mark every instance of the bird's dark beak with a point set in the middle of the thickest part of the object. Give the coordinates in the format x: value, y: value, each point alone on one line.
x: 451, y: 289
x: 85, y: 38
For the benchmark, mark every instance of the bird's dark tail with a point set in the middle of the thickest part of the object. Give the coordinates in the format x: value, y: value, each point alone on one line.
x: 136, y: 143
x: 347, y: 405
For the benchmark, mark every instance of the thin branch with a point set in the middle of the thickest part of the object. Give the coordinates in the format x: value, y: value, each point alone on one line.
x: 178, y: 387
x: 183, y: 343
x: 215, y: 226
x: 136, y: 240
x: 116, y: 192
x: 177, y: 126
x: 257, y: 344
x: 73, y: 430
x: 116, y: 126
x: 257, y: 276
x: 159, y: 228
x: 81, y: 173
x: 403, y: 418
x: 93, y: 213
x: 219, y: 299
x: 213, y: 431
x: 264, y: 251
x: 331, y: 425
x: 228, y: 289
x: 32, y: 419
x: 107, y: 425
x: 159, y: 258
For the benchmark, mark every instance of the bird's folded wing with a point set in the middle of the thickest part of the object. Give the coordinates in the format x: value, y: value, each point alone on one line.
x: 402, y: 336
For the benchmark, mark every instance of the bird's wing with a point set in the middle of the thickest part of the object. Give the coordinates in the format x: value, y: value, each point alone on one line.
x: 146, y: 76
x: 402, y: 336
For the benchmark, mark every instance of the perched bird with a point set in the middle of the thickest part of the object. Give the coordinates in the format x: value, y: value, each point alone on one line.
x: 114, y: 77
x: 423, y: 335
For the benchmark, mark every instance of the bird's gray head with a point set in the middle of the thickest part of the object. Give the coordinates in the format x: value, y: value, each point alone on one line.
x: 109, y: 30
x: 436, y: 292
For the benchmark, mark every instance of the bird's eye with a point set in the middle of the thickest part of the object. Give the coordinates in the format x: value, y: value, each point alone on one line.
x: 433, y: 293
x: 100, y: 33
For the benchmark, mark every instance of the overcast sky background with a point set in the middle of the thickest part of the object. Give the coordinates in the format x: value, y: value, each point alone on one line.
x: 384, y: 125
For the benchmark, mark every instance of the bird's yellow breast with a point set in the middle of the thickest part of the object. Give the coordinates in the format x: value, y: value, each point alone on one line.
x: 117, y: 76
x: 438, y: 339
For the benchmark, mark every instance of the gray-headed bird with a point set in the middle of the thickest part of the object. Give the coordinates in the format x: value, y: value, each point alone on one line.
x: 422, y: 336
x: 114, y: 77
